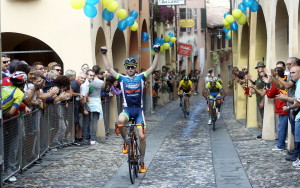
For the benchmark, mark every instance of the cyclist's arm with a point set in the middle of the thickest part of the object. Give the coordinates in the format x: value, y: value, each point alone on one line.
x: 179, y: 86
x: 154, y: 63
x: 223, y: 93
x: 107, y: 65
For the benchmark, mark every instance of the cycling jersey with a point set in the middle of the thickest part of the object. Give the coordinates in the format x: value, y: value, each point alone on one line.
x: 186, y: 87
x: 132, y: 89
x: 217, y: 88
x: 12, y: 96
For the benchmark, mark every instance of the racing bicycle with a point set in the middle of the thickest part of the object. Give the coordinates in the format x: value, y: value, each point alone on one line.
x: 133, y: 148
x: 184, y: 107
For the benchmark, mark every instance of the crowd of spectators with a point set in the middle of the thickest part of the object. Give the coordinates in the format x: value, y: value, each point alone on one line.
x: 26, y: 88
x: 282, y: 85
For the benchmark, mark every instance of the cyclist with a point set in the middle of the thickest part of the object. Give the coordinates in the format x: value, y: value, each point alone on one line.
x: 214, y: 91
x: 186, y: 86
x: 132, y: 86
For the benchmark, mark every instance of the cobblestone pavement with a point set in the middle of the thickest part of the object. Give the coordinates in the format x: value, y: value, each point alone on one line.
x: 264, y: 167
x: 183, y: 160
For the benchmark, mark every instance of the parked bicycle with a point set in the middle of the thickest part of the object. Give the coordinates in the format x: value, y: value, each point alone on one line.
x: 133, y: 148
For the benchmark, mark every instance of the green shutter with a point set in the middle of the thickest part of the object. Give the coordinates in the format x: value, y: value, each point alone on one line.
x: 203, y: 18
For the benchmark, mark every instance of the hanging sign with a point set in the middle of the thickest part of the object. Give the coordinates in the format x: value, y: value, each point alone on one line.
x: 186, y: 23
x: 171, y: 2
x: 184, y: 49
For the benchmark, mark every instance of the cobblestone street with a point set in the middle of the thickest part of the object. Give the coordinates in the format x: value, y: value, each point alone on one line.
x: 184, y: 156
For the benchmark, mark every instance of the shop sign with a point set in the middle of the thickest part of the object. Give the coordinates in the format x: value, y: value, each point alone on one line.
x: 184, y: 49
x: 171, y: 2
x: 186, y: 23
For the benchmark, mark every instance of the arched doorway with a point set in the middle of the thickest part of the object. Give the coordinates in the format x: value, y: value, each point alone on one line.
x: 281, y: 32
x: 145, y: 51
x: 261, y: 37
x: 28, y: 48
x: 119, y: 51
x: 244, y: 54
x: 100, y: 41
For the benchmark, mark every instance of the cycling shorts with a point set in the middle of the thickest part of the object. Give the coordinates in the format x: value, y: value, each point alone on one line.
x: 187, y: 92
x: 136, y: 113
x: 214, y: 95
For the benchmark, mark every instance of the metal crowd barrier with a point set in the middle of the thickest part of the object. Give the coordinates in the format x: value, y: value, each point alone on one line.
x: 119, y: 103
x: 1, y: 152
x: 105, y: 109
x: 26, y: 138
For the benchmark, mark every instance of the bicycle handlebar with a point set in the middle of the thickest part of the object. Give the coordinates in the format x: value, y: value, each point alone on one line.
x: 128, y: 125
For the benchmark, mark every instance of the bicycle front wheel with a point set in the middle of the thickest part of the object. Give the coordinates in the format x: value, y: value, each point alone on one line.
x: 131, y: 163
x: 136, y: 158
x: 184, y: 109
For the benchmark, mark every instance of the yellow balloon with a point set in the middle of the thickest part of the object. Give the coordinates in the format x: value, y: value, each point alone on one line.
x: 225, y: 22
x: 242, y: 20
x: 134, y: 27
x: 106, y: 2
x: 112, y: 6
x: 237, y: 13
x: 229, y: 34
x: 167, y: 38
x: 227, y: 26
x: 162, y: 48
x: 77, y: 4
x: 152, y: 52
x: 229, y: 19
x: 122, y: 14
x: 166, y: 46
x: 173, y: 39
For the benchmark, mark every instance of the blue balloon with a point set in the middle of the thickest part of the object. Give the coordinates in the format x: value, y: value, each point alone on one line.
x: 234, y: 26
x: 122, y: 25
x: 242, y: 7
x: 145, y: 36
x: 92, y: 2
x: 225, y: 30
x: 227, y: 37
x: 157, y: 41
x: 171, y: 34
x: 226, y: 14
x: 134, y: 14
x: 129, y: 20
x: 161, y: 41
x: 107, y: 15
x: 90, y: 11
x: 254, y: 7
x: 171, y: 44
x: 248, y: 3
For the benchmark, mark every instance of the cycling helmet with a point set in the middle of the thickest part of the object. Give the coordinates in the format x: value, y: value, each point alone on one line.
x: 19, y: 77
x: 185, y: 78
x: 130, y: 62
x: 215, y: 79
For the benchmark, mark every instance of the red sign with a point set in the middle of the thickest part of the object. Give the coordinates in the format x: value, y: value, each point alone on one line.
x: 184, y: 49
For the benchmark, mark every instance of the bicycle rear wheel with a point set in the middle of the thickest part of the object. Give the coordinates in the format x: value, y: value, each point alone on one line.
x: 184, y: 108
x: 131, y: 163
x: 214, y: 118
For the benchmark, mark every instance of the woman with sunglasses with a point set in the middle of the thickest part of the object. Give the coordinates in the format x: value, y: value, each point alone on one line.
x: 132, y: 86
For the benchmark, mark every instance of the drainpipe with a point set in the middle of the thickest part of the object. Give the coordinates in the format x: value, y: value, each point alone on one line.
x: 1, y: 119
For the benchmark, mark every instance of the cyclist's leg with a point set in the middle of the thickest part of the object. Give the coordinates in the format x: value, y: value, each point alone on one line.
x: 219, y: 101
x: 123, y: 119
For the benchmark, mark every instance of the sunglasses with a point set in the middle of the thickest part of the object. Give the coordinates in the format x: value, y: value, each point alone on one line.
x: 59, y: 70
x: 130, y: 67
x: 5, y: 62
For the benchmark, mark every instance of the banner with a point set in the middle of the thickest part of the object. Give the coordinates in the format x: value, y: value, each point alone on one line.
x: 171, y: 2
x: 186, y: 23
x: 184, y: 49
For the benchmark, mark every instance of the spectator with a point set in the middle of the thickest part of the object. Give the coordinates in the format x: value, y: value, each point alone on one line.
x: 58, y: 68
x: 13, y: 95
x: 84, y: 90
x: 5, y: 65
x: 85, y: 67
x: 106, y: 93
x: 77, y: 97
x: 94, y: 104
x: 71, y: 74
x: 115, y: 88
x: 38, y: 67
x: 50, y: 65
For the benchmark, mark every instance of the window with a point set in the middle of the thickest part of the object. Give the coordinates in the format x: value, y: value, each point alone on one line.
x: 218, y: 43
x: 182, y: 12
x: 196, y: 19
x: 212, y: 43
x: 189, y: 16
x: 223, y: 40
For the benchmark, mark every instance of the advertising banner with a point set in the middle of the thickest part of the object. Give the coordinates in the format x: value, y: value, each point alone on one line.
x: 171, y: 2
x: 184, y: 49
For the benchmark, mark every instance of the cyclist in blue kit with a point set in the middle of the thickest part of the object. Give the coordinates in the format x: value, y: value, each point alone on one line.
x: 132, y: 86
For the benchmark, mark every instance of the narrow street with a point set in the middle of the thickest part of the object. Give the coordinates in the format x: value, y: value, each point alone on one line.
x: 180, y: 153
